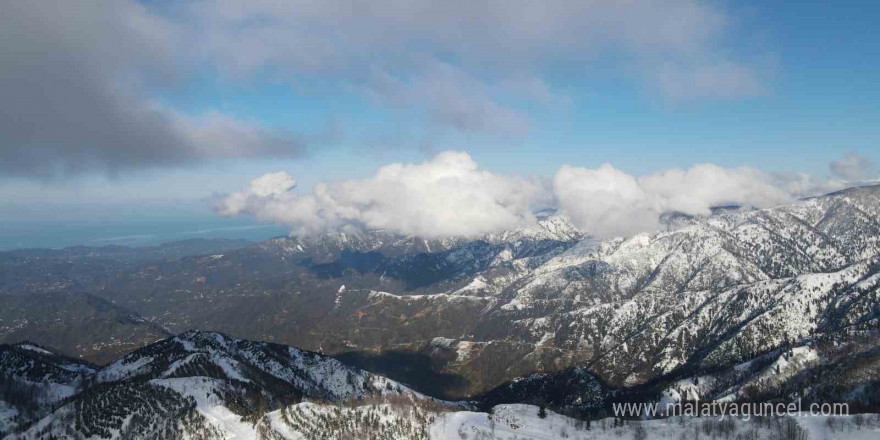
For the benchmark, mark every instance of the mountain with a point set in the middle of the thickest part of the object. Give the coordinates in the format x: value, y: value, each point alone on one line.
x: 210, y: 386
x: 34, y: 381
x: 194, y: 385
x: 76, y: 267
x: 76, y: 324
x: 461, y: 318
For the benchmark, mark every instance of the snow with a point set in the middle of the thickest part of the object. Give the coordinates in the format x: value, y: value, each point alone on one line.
x: 34, y: 348
x: 77, y: 368
x: 230, y: 367
x: 507, y: 422
x: 463, y: 350
x: 58, y: 392
x: 477, y: 284
x: 179, y: 363
x: 818, y: 428
x: 209, y: 405
x: 7, y: 413
x: 122, y: 369
x: 522, y: 422
x: 443, y: 296
x: 442, y: 342
x: 514, y: 304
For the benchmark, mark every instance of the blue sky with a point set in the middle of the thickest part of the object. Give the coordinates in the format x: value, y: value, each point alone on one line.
x: 819, y: 103
x: 327, y: 93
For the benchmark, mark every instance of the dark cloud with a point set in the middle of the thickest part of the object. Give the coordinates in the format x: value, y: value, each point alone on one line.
x: 74, y: 76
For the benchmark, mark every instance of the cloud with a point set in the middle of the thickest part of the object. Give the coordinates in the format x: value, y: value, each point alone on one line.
x: 85, y: 82
x: 451, y: 96
x: 721, y: 80
x: 332, y: 35
x: 266, y: 187
x: 447, y: 195
x: 605, y: 201
x: 679, y: 48
x: 75, y: 79
x: 852, y: 167
x: 805, y: 185
x: 608, y: 202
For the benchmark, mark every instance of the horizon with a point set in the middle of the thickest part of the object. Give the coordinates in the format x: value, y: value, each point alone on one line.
x: 86, y: 234
x: 156, y: 108
x: 439, y: 219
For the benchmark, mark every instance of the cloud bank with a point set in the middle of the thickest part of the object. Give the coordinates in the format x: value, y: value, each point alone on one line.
x: 449, y: 195
x: 608, y: 202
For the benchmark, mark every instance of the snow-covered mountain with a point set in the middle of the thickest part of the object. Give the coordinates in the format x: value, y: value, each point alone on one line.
x: 708, y: 292
x: 33, y: 380
x: 197, y: 384
x: 460, y: 318
x: 209, y: 386
x: 294, y: 372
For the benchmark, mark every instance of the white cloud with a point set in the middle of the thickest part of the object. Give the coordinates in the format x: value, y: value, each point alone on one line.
x: 447, y: 195
x: 605, y: 201
x: 852, y: 167
x: 329, y: 35
x: 608, y: 202
x: 272, y: 184
x: 267, y: 186
x: 448, y: 95
x: 677, y: 47
x: 695, y: 190
x: 805, y: 185
x: 699, y: 80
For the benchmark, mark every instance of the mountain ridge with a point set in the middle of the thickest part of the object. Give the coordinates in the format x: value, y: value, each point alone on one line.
x: 727, y: 286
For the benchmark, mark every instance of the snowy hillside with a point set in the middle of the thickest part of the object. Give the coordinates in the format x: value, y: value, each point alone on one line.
x: 509, y: 422
x: 34, y: 380
x: 222, y: 357
x: 743, y: 304
x: 194, y: 384
x: 707, y: 292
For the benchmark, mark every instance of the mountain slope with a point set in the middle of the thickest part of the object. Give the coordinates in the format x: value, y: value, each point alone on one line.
x: 34, y: 380
x: 706, y: 292
x: 195, y: 385
x: 77, y: 323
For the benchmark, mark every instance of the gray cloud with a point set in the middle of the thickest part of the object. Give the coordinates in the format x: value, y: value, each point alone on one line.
x: 852, y: 166
x: 74, y: 78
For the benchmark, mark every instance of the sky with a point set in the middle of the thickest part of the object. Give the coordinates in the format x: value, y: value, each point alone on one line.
x: 155, y: 118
